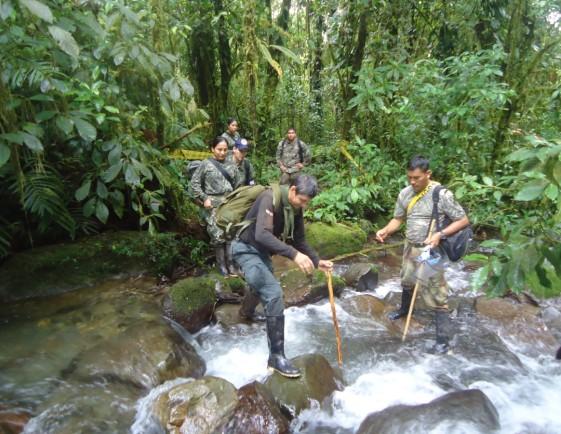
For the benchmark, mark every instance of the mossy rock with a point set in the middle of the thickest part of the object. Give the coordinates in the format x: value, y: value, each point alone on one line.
x: 300, y: 289
x: 58, y: 268
x: 333, y: 240
x: 189, y: 295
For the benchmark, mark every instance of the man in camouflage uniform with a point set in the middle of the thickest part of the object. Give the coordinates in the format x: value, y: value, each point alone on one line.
x: 415, y: 206
x: 237, y: 158
x: 292, y: 155
x: 210, y: 185
x: 231, y: 134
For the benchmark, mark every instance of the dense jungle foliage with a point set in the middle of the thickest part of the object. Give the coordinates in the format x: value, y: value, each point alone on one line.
x: 96, y: 95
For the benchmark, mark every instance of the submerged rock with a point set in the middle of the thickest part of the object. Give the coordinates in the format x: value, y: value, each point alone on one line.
x: 12, y: 421
x: 256, y: 413
x: 145, y: 354
x: 471, y: 407
x: 337, y: 239
x: 317, y: 382
x: 300, y: 289
x: 200, y: 406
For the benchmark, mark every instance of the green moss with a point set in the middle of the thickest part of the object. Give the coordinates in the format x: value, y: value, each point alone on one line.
x: 191, y: 294
x: 53, y: 269
x: 333, y: 240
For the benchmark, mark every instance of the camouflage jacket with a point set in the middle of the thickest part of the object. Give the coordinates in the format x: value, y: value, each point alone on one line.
x: 419, y: 218
x: 288, y: 153
x: 244, y: 170
x: 230, y: 139
x: 208, y: 181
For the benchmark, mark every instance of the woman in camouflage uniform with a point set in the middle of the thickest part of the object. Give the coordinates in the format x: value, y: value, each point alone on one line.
x: 210, y: 183
x: 231, y: 134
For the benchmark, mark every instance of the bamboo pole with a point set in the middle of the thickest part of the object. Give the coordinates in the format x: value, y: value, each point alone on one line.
x: 368, y: 249
x: 334, y: 314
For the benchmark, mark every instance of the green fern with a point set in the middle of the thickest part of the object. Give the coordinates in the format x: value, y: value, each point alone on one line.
x: 5, y: 238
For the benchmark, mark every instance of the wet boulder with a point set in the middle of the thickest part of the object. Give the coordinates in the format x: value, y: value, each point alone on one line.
x: 256, y: 413
x: 453, y: 410
x: 191, y: 302
x: 200, y: 406
x: 362, y: 276
x: 300, y: 289
x: 337, y: 239
x: 12, y: 421
x: 519, y: 320
x: 145, y: 354
x: 317, y: 382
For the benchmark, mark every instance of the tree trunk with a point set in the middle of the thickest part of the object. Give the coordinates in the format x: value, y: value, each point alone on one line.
x: 225, y: 56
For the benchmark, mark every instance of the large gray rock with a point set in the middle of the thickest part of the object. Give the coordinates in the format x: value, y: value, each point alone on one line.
x: 362, y: 276
x: 256, y: 413
x: 145, y: 354
x: 470, y: 407
x: 317, y: 382
x: 198, y: 407
x: 300, y: 289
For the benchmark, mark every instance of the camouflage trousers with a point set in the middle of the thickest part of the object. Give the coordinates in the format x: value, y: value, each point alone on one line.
x: 286, y: 178
x: 209, y: 215
x: 433, y: 289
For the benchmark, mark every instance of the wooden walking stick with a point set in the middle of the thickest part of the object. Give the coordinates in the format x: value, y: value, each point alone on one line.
x: 334, y: 314
x: 412, y: 304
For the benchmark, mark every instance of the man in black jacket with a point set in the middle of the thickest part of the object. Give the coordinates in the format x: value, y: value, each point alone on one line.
x: 277, y: 230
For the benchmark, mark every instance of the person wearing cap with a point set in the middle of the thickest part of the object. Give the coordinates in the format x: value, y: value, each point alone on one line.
x: 231, y: 134
x: 292, y: 155
x: 237, y: 158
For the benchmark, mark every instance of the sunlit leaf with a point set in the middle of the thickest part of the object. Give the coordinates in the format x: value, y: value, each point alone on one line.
x: 86, y: 130
x: 32, y: 142
x: 287, y: 53
x: 531, y: 190
x: 111, y: 173
x: 479, y: 277
x: 65, y: 124
x: 101, y: 211
x: 552, y: 192
x: 267, y: 55
x: 38, y: 9
x: 83, y: 191
x: 65, y: 41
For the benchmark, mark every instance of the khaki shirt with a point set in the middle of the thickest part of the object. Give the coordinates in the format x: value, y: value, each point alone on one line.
x: 418, y: 220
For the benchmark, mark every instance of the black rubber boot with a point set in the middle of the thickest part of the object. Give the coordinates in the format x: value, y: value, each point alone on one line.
x: 442, y: 344
x: 406, y: 296
x: 275, y: 337
x: 220, y: 253
x: 558, y: 355
x: 233, y: 270
x: 247, y: 309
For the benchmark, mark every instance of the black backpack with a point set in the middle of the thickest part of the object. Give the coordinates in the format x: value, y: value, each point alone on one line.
x: 455, y: 246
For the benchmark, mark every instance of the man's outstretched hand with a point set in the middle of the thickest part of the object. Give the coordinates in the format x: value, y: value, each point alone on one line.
x: 304, y: 263
x: 326, y: 266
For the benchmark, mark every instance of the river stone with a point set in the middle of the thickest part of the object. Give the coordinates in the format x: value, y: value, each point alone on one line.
x: 337, y: 239
x: 518, y: 321
x: 256, y: 413
x: 362, y: 276
x: 552, y: 319
x: 300, y: 289
x: 145, y: 354
x: 466, y: 407
x: 317, y: 382
x: 197, y: 407
x: 12, y: 421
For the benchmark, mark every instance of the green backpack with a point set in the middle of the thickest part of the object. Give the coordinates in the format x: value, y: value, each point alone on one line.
x: 230, y: 214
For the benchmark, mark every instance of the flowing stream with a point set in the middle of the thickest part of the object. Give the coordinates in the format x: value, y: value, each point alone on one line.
x: 43, y: 341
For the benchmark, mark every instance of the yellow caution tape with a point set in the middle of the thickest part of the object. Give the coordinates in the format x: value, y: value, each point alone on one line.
x: 189, y: 154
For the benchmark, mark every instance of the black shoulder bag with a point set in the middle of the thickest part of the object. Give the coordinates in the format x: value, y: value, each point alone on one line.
x: 455, y: 246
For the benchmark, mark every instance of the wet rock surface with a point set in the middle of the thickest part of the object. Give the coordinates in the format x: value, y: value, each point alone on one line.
x: 300, y: 289
x: 317, y: 382
x: 362, y: 276
x: 471, y: 407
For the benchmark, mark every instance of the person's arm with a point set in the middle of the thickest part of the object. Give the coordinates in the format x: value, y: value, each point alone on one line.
x: 299, y: 241
x: 392, y: 227
x: 197, y: 184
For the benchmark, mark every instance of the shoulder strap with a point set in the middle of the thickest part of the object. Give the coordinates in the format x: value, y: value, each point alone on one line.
x: 435, y: 200
x: 300, y: 150
x: 277, y: 200
x: 222, y: 171
x: 246, y: 170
